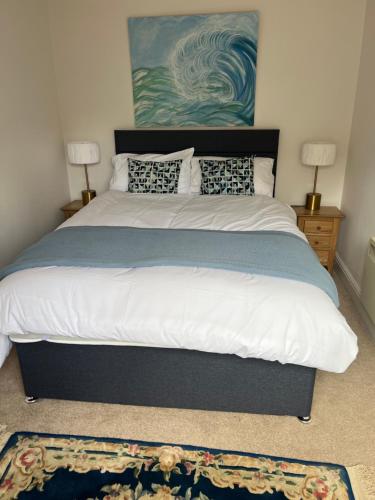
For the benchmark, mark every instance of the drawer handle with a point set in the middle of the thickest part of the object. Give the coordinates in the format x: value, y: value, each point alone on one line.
x: 318, y: 228
x: 317, y: 243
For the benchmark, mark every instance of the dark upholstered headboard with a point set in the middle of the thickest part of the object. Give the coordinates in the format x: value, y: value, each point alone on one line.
x: 228, y: 142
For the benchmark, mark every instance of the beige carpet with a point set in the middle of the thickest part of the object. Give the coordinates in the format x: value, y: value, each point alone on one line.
x: 342, y: 430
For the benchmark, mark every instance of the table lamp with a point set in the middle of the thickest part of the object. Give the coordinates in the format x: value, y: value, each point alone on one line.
x: 317, y: 154
x: 84, y: 153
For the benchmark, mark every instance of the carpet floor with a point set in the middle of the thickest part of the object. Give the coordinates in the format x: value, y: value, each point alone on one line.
x: 342, y: 428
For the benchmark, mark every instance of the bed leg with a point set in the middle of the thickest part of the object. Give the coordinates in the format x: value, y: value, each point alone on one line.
x: 305, y: 420
x: 29, y: 400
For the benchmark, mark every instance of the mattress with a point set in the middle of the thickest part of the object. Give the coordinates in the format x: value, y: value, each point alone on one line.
x: 211, y: 310
x: 26, y: 338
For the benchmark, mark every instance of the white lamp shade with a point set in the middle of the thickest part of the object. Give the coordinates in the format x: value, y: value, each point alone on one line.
x: 318, y: 153
x: 83, y: 153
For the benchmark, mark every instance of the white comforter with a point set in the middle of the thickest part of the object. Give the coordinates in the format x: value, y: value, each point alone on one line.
x: 190, y: 308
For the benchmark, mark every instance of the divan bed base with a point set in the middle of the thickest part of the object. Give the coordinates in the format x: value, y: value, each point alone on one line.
x: 173, y: 378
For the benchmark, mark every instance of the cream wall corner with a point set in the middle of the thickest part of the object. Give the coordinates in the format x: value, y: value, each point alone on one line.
x: 32, y: 168
x: 308, y: 62
x: 358, y: 201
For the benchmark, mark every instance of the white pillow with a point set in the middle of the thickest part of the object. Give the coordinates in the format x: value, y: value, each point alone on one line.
x: 263, y: 176
x: 120, y: 177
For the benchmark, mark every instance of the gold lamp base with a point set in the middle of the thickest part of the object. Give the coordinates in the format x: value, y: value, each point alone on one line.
x: 88, y: 195
x: 313, y: 201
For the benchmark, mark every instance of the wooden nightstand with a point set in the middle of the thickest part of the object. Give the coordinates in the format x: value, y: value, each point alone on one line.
x: 72, y: 208
x: 321, y: 229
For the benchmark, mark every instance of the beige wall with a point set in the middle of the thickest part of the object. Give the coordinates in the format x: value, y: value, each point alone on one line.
x: 33, y: 180
x: 359, y: 192
x: 307, y: 72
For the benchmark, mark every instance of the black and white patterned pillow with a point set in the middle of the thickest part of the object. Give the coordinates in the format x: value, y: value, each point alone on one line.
x: 232, y: 176
x: 153, y: 176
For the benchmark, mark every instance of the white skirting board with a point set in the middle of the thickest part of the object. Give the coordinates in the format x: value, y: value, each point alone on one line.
x: 354, y: 289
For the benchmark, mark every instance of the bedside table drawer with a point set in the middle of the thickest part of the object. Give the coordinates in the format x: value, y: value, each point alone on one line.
x: 318, y: 226
x: 72, y: 208
x: 321, y: 228
x: 319, y: 241
x: 323, y: 256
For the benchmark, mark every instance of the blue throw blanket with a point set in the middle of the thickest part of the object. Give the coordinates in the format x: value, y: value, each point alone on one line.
x: 271, y: 253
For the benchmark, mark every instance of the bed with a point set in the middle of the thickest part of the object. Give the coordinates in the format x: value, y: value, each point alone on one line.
x: 180, y: 373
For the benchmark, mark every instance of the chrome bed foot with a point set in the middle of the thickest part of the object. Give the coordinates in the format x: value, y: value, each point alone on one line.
x: 305, y: 420
x: 30, y: 400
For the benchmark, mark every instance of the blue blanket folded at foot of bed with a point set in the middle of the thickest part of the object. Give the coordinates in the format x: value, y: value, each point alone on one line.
x: 270, y: 253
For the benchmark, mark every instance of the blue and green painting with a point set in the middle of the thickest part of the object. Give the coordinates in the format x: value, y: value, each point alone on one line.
x: 194, y: 70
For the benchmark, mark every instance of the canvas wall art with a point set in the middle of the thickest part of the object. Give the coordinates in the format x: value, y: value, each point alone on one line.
x: 194, y: 70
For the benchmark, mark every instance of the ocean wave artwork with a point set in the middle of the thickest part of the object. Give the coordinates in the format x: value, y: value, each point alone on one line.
x: 196, y: 70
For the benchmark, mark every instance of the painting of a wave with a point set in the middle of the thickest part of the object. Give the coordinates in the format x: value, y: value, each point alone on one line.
x: 194, y: 70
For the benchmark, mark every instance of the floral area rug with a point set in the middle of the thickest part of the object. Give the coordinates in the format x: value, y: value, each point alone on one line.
x: 49, y: 466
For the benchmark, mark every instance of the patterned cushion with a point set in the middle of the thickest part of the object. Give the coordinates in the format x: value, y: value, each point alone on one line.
x: 232, y: 176
x: 153, y: 176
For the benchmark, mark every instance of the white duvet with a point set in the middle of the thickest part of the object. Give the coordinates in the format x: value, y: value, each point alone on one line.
x: 190, y: 308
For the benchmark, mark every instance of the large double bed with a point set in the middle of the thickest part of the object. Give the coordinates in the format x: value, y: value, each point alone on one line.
x: 185, y: 336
